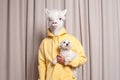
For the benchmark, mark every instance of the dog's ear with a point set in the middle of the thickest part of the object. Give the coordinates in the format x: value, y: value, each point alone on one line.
x: 70, y: 45
x: 60, y: 45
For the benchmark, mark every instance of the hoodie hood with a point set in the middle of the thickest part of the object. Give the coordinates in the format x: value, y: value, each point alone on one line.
x: 62, y: 32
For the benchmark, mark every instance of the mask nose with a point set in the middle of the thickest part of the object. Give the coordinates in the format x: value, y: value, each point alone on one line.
x: 54, y: 22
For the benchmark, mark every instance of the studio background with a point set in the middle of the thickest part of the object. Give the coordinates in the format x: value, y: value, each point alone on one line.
x: 23, y: 24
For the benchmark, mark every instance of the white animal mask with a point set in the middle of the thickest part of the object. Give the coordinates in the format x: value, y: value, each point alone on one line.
x: 56, y: 20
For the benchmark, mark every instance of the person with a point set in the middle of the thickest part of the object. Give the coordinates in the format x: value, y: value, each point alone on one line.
x: 49, y: 49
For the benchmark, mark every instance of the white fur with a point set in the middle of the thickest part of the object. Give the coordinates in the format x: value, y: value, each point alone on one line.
x: 68, y: 54
x: 58, y: 17
x: 66, y: 51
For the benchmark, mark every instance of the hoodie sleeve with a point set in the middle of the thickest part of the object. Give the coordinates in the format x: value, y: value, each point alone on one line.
x: 81, y: 57
x: 41, y: 63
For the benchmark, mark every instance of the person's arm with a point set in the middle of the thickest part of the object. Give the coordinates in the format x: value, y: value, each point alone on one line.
x: 81, y: 57
x: 41, y: 63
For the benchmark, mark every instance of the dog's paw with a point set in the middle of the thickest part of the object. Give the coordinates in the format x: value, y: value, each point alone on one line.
x: 66, y: 62
x: 54, y: 61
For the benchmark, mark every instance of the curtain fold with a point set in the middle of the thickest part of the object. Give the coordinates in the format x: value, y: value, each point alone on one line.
x: 23, y: 25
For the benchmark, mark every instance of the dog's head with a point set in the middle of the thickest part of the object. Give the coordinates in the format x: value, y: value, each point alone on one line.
x: 56, y: 18
x: 65, y: 45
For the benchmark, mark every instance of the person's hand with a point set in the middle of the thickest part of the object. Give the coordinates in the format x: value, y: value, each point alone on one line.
x: 60, y: 59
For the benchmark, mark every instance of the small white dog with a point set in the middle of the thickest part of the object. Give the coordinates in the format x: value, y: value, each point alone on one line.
x: 68, y: 54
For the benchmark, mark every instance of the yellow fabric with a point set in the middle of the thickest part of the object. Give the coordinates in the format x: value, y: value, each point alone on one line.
x: 49, y: 49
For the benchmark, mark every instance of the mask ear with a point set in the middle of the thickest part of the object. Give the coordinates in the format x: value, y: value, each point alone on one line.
x: 64, y: 12
x: 47, y: 12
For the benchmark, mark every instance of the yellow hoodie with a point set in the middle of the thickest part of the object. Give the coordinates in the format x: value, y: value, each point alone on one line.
x: 48, y: 51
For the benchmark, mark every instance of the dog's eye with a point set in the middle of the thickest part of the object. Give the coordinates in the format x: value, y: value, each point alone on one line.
x: 64, y: 42
x: 60, y: 18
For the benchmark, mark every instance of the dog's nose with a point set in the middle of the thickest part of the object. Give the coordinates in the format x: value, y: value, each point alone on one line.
x: 66, y: 44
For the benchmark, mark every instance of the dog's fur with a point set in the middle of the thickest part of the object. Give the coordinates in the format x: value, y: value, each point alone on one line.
x: 56, y: 20
x: 68, y: 54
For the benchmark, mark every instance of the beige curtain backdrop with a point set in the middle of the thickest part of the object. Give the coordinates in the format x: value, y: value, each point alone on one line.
x: 23, y: 24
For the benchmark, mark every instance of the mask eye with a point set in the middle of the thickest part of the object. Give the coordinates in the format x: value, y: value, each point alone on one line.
x: 50, y: 19
x: 60, y: 18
